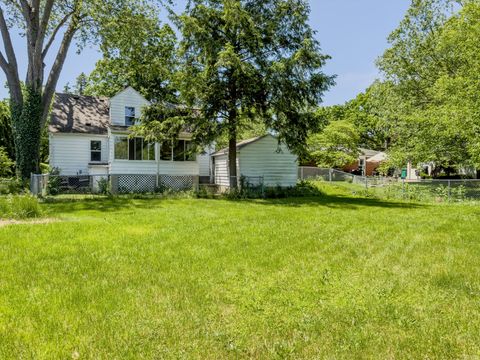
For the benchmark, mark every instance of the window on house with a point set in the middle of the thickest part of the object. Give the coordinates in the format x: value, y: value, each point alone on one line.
x: 190, y: 155
x: 179, y: 150
x: 129, y: 115
x: 148, y: 151
x: 166, y: 151
x: 121, y: 148
x: 133, y: 149
x: 95, y: 150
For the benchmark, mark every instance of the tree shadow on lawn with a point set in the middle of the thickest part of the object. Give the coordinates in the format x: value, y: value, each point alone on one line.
x: 101, y: 204
x: 113, y: 204
x: 337, y: 201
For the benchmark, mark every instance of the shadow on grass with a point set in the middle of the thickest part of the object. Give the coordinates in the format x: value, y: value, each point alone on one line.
x: 112, y: 204
x: 98, y: 203
x: 339, y: 201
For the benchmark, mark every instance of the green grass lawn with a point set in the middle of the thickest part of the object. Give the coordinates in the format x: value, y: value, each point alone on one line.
x: 330, y: 277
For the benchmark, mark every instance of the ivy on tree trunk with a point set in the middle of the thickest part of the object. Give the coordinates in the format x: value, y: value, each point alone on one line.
x: 27, y: 132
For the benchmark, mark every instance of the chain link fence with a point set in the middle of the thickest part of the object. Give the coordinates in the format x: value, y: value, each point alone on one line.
x: 432, y: 190
x: 242, y: 181
x: 313, y: 173
x: 397, y: 188
x: 46, y: 184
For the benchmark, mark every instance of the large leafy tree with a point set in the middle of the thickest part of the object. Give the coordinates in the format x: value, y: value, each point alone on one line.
x: 44, y: 22
x: 372, y: 113
x: 336, y: 146
x: 144, y: 59
x: 250, y: 61
x: 433, y: 67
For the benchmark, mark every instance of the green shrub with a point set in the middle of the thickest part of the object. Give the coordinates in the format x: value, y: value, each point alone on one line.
x: 206, y: 192
x: 19, y: 207
x: 10, y: 186
x: 104, y: 186
x: 54, y: 182
x: 302, y: 189
x: 6, y: 164
x: 459, y: 193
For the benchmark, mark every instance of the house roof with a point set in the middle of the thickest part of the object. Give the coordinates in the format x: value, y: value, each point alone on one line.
x: 79, y: 114
x: 240, y: 145
x: 368, y: 153
x: 126, y: 88
x: 381, y: 156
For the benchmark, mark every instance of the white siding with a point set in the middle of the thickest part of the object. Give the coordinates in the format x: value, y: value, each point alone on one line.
x: 128, y: 97
x: 71, y: 152
x: 221, y: 170
x: 262, y: 159
x: 204, y: 161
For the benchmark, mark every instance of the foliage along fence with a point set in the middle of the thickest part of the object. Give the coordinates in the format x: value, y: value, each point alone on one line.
x: 313, y: 173
x: 248, y: 186
x: 46, y: 184
x: 10, y: 186
x: 431, y: 190
x: 397, y: 188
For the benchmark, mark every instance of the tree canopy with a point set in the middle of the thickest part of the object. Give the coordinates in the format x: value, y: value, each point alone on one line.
x: 249, y: 64
x: 144, y: 59
x: 426, y: 107
x: 336, y: 146
x: 433, y: 65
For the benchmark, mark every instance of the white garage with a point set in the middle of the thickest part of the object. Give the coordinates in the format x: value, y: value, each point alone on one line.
x: 260, y: 157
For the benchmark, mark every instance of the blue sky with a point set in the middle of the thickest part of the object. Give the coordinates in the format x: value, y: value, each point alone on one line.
x: 353, y: 32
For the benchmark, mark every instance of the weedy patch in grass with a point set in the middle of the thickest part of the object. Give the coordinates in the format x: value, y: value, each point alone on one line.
x: 19, y: 207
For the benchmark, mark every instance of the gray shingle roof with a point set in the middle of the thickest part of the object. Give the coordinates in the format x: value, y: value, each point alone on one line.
x: 368, y: 153
x: 79, y: 114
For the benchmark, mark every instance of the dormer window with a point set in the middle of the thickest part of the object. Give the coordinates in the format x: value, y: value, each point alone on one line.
x: 129, y: 116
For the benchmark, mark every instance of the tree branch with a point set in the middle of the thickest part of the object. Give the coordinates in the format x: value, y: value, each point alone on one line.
x: 54, y: 34
x: 4, y: 63
x: 47, y: 10
x: 10, y: 68
x: 51, y: 84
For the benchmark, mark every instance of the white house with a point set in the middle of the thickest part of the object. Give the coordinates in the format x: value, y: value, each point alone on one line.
x: 89, y: 136
x: 260, y: 157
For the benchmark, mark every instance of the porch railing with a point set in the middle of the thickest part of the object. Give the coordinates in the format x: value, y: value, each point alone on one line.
x: 45, y: 184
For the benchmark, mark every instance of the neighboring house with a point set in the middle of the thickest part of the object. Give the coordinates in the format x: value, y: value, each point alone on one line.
x: 367, y: 163
x: 260, y: 157
x: 89, y: 136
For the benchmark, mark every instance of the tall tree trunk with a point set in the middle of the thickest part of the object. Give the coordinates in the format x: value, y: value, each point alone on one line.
x: 29, y: 111
x: 232, y: 162
x: 232, y: 149
x: 26, y: 126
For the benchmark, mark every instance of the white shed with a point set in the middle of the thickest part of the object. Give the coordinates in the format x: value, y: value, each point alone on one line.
x: 259, y: 157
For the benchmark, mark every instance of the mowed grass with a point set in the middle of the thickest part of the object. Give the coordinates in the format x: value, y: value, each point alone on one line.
x: 329, y: 277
